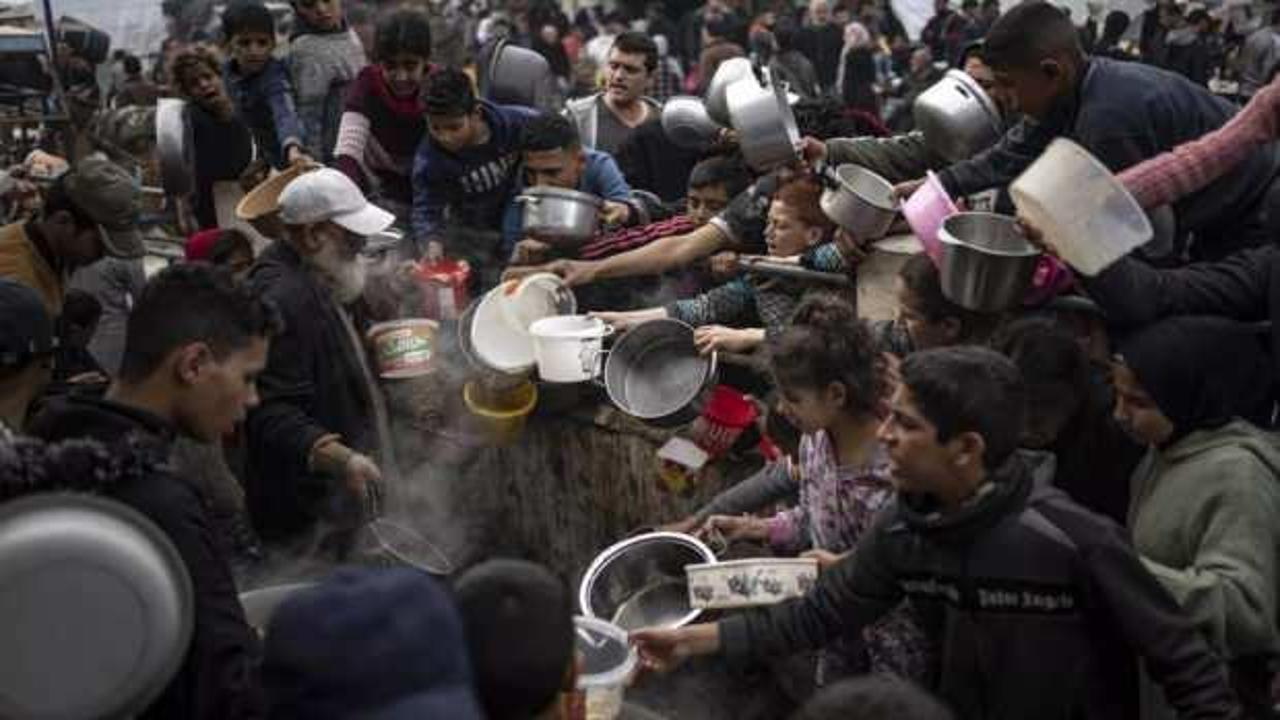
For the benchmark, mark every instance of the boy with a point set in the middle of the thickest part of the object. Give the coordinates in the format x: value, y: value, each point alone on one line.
x: 194, y: 345
x: 1038, y: 608
x: 325, y: 55
x: 259, y: 83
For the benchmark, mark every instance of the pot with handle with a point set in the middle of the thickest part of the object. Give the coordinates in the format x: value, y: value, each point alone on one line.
x: 717, y: 101
x: 559, y: 216
x: 568, y: 348
x: 859, y: 201
x: 957, y: 117
x: 766, y: 126
x: 987, y: 264
x: 686, y: 122
x: 654, y: 373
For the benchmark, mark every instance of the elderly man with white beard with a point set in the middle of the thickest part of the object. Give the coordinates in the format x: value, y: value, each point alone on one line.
x: 322, y: 419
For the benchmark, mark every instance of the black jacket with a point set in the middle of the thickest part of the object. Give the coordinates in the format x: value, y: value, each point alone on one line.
x: 310, y: 388
x: 1125, y: 113
x: 1244, y: 286
x: 219, y: 678
x: 1038, y: 609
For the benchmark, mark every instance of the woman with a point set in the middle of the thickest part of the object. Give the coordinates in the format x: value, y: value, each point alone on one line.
x: 856, y: 76
x: 1205, y: 510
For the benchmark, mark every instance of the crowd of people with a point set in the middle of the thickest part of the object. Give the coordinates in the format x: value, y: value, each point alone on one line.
x: 1067, y: 509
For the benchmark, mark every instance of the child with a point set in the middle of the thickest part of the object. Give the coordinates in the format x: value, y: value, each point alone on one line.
x: 384, y: 121
x: 832, y: 384
x: 223, y: 143
x: 229, y: 248
x: 736, y: 316
x: 325, y: 55
x: 259, y: 83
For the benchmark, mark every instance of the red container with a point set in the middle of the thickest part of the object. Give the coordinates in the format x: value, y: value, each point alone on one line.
x: 726, y: 415
x: 444, y: 288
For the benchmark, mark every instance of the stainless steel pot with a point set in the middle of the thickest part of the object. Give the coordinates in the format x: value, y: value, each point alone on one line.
x: 640, y: 582
x: 518, y: 76
x: 654, y: 373
x: 717, y: 100
x: 175, y: 146
x: 97, y: 604
x: 687, y: 124
x: 957, y: 117
x: 766, y: 127
x: 560, y: 216
x: 861, y: 202
x: 987, y: 264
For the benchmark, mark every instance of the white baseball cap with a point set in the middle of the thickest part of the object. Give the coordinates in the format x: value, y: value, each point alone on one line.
x: 327, y: 194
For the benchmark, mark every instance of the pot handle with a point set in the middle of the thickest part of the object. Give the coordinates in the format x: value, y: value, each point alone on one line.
x: 595, y: 366
x: 963, y: 91
x: 527, y: 199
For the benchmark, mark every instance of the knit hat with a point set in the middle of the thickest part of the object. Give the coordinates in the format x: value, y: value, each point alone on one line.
x: 519, y: 623
x: 378, y: 644
x: 200, y: 245
x: 26, y: 330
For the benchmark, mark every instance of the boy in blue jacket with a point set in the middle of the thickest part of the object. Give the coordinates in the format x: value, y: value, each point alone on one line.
x: 258, y: 83
x: 465, y: 169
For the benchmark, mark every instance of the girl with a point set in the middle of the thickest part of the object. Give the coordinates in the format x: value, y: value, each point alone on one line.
x: 926, y: 318
x: 1205, y: 509
x: 383, y: 120
x: 832, y: 383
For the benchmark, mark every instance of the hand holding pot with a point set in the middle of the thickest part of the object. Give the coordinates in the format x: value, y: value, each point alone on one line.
x: 363, y: 478
x: 662, y: 651
x: 614, y: 213
x: 825, y: 558
x: 736, y: 527
x: 853, y: 250
x: 710, y: 338
x: 906, y: 189
x: 724, y: 265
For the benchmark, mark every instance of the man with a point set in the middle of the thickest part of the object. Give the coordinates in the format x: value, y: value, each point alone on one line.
x: 945, y: 32
x: 322, y: 415
x: 821, y: 41
x: 553, y: 156
x: 466, y: 166
x: 1120, y: 112
x: 1000, y: 568
x: 1260, y: 56
x: 196, y: 341
x: 606, y: 119
x: 26, y: 353
x: 89, y: 212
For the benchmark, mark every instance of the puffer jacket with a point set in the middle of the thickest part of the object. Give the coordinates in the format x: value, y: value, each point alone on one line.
x: 1037, y: 607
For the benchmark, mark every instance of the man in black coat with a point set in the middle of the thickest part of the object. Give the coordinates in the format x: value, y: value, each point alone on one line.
x: 195, y: 342
x: 1037, y: 607
x: 312, y: 441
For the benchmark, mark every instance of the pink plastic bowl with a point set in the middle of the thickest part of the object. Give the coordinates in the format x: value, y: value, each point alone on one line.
x: 925, y: 210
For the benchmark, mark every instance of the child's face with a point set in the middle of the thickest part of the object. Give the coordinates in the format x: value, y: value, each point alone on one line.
x: 205, y: 88
x: 404, y: 73
x: 918, y: 462
x: 812, y: 409
x: 454, y: 132
x: 251, y: 51
x: 322, y: 14
x: 786, y: 234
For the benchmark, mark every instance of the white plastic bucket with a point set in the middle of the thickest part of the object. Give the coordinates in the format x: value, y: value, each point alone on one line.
x: 608, y: 660
x: 567, y: 347
x: 1083, y: 211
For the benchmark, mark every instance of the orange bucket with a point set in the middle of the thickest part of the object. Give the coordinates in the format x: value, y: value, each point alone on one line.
x: 501, y: 414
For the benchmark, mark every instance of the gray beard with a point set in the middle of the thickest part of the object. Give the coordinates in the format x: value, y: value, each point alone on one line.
x: 343, y: 278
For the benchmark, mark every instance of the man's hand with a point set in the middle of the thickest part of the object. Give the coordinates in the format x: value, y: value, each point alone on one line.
x: 685, y: 526
x: 710, y: 338
x: 907, y: 189
x: 813, y: 150
x: 736, y: 527
x: 364, y: 480
x: 297, y: 156
x: 724, y: 265
x: 615, y: 213
x: 825, y: 558
x: 573, y: 272
x: 530, y: 252
x: 1036, y: 237
x: 852, y: 250
x: 662, y: 651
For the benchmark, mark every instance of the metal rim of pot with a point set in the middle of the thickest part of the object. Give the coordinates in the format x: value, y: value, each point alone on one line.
x: 716, y: 99
x: 855, y: 211
x: 611, y: 553
x: 686, y: 122
x: 768, y: 135
x: 956, y: 144
x: 559, y: 212
x: 688, y: 409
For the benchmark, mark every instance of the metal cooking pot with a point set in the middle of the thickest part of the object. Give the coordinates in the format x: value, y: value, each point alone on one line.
x: 97, y: 604
x: 957, y: 117
x: 860, y: 201
x: 767, y: 132
x: 560, y: 216
x: 717, y: 101
x: 986, y: 263
x: 687, y: 124
x: 518, y: 76
x: 640, y: 582
x: 175, y: 146
x: 654, y: 373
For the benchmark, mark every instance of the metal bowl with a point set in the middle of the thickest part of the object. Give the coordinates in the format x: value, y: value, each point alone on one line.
x: 766, y: 126
x: 655, y: 373
x: 687, y: 124
x: 517, y: 76
x: 640, y: 582
x: 987, y: 264
x: 862, y: 202
x: 559, y: 216
x: 957, y: 118
x: 97, y: 604
x: 717, y: 100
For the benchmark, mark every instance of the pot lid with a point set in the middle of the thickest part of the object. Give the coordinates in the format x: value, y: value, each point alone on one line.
x: 546, y: 191
x: 606, y: 654
x: 67, y: 658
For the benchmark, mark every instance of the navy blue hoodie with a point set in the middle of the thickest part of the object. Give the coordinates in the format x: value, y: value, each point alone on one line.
x: 474, y: 184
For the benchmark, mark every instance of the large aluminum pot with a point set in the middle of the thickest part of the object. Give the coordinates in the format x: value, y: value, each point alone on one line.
x: 517, y: 76
x: 957, y: 118
x: 655, y: 373
x: 640, y: 582
x: 717, y: 100
x: 559, y: 216
x: 97, y: 604
x: 987, y: 264
x: 861, y: 202
x: 687, y: 124
x: 175, y: 146
x: 766, y: 127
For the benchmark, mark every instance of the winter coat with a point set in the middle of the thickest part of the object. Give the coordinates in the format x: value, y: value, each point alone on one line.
x: 312, y: 387
x: 264, y: 102
x: 1038, y: 608
x: 218, y: 678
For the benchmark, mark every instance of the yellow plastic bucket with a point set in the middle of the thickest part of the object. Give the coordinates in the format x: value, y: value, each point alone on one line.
x: 501, y: 414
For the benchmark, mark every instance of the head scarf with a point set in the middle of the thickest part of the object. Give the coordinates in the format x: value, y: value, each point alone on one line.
x: 856, y: 35
x: 1201, y: 371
